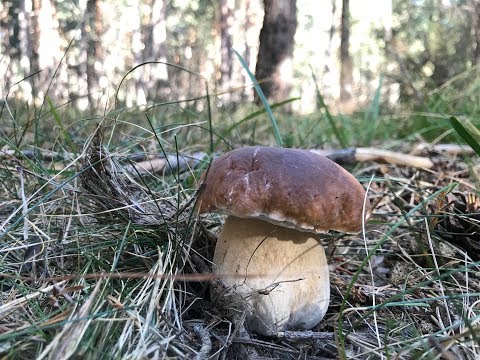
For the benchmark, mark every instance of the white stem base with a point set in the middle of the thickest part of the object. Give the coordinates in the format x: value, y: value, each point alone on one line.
x: 280, y: 275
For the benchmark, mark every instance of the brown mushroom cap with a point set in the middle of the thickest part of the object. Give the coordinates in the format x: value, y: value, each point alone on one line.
x: 288, y: 187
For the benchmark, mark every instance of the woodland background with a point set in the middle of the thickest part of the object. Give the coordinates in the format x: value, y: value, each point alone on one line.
x: 78, y: 51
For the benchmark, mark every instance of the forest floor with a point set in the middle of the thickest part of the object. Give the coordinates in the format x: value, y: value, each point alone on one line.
x: 100, y: 261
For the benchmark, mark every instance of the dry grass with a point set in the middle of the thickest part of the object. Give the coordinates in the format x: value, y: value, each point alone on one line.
x: 98, y: 262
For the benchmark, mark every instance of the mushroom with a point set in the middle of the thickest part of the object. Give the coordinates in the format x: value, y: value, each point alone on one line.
x: 267, y: 255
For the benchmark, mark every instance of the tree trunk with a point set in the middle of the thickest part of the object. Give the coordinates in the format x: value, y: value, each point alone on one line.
x: 274, y: 69
x: 92, y: 33
x: 248, y: 24
x: 476, y: 32
x: 24, y: 36
x: 92, y: 29
x: 9, y: 29
x: 226, y: 42
x: 35, y: 41
x: 10, y: 24
x: 155, y: 49
x: 346, y: 77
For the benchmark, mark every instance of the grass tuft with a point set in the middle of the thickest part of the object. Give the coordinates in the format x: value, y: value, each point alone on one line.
x: 101, y: 258
x: 258, y: 89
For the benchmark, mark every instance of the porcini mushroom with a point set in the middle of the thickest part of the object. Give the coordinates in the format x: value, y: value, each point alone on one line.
x: 267, y: 254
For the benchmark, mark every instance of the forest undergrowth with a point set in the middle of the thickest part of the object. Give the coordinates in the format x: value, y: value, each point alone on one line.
x: 103, y: 255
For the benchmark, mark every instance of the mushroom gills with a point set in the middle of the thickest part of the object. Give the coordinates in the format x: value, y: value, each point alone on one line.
x: 279, y: 275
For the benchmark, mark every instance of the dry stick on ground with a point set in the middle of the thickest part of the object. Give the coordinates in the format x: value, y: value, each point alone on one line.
x: 141, y: 164
x: 307, y: 334
x: 340, y: 156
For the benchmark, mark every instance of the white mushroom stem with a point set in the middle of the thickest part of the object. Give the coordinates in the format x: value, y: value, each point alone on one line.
x: 280, y: 275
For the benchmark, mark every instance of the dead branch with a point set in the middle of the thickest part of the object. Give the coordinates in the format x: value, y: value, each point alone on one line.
x: 142, y: 164
x: 305, y: 335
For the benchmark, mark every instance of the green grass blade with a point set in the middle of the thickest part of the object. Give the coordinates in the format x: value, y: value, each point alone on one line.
x: 254, y: 114
x: 371, y: 117
x: 258, y: 89
x: 321, y: 103
x: 42, y: 200
x: 464, y: 134
x: 56, y: 117
x: 341, y: 335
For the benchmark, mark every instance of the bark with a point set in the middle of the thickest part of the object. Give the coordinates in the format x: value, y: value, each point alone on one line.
x: 476, y: 33
x: 442, y: 70
x: 24, y: 37
x: 35, y: 38
x: 154, y: 36
x: 90, y: 46
x: 226, y: 42
x: 91, y: 32
x: 274, y: 68
x: 10, y: 25
x: 248, y: 23
x: 346, y: 65
x: 98, y: 25
x: 7, y: 24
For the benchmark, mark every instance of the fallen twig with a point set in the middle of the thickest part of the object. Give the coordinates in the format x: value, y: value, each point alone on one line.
x: 305, y: 335
x: 166, y: 164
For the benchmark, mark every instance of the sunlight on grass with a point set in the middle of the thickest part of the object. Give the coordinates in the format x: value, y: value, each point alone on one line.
x: 100, y: 257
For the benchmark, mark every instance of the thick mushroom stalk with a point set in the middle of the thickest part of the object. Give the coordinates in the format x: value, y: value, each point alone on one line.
x: 279, y: 275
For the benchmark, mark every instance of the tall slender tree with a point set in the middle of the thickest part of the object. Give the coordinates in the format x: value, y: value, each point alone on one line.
x: 346, y: 65
x: 274, y: 67
x: 35, y: 34
x: 476, y: 32
x: 91, y: 32
x: 246, y: 27
x: 226, y: 41
x: 7, y: 30
x: 155, y: 49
